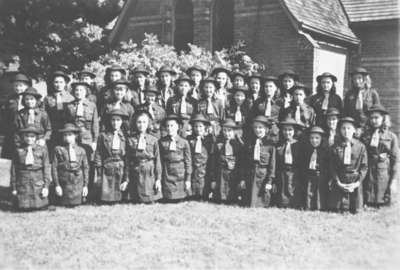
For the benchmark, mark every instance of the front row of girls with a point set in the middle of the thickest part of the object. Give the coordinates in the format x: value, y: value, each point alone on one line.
x: 325, y: 170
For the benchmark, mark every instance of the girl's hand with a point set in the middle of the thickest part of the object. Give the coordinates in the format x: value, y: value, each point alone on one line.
x: 14, y: 193
x: 59, y: 191
x: 157, y: 186
x: 94, y: 146
x: 123, y: 186
x: 45, y: 192
x: 393, y: 187
x: 41, y: 142
x: 85, y: 192
x: 213, y: 185
x: 242, y: 184
x: 268, y: 187
x: 188, y: 186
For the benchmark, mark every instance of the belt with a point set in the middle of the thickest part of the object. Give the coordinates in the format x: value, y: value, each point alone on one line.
x: 177, y: 161
x: 142, y: 161
x: 112, y: 160
x: 314, y: 172
x: 32, y: 169
x: 261, y: 165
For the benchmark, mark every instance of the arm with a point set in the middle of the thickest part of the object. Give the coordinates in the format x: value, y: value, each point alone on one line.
x: 16, y: 126
x: 394, y: 160
x: 54, y: 167
x: 46, y: 126
x: 187, y: 159
x: 46, y: 168
x: 271, y: 166
x: 85, y: 168
x: 13, y: 179
x: 157, y: 162
x: 363, y: 163
x: 95, y: 125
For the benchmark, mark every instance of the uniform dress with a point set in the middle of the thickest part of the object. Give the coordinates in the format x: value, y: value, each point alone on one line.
x: 307, y: 114
x: 260, y: 171
x: 40, y: 120
x: 143, y: 169
x: 271, y: 111
x: 356, y: 170
x: 158, y: 114
x: 177, y: 167
x: 214, y: 111
x: 317, y: 103
x: 315, y: 174
x: 288, y: 181
x: 13, y: 105
x: 30, y: 179
x: 241, y: 119
x: 126, y: 124
x: 109, y: 162
x: 174, y: 106
x: 135, y: 97
x: 71, y: 175
x: 164, y: 96
x: 383, y: 159
x: 203, y: 165
x: 228, y: 171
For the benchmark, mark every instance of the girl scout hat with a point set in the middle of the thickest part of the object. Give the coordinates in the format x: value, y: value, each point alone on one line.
x: 175, y: 117
x: 271, y: 79
x: 143, y: 111
x: 86, y: 72
x: 289, y: 73
x: 347, y: 120
x: 167, y: 69
x: 332, y: 111
x: 236, y: 73
x: 220, y: 68
x: 316, y: 129
x: 243, y: 89
x: 118, y: 112
x: 290, y: 122
x: 302, y: 86
x: 359, y: 70
x: 262, y: 119
x: 377, y: 108
x: 229, y: 123
x: 184, y: 78
x: 326, y: 75
x: 199, y: 118
x: 198, y: 68
x: 122, y: 81
x: 20, y: 77
x: 255, y: 75
x: 210, y: 80
x: 60, y: 73
x: 69, y: 127
x: 32, y: 92
x: 151, y: 90
x: 30, y: 129
x: 75, y: 84
x: 115, y: 67
x: 140, y: 69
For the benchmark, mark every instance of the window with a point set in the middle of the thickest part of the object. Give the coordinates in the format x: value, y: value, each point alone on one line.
x: 183, y: 33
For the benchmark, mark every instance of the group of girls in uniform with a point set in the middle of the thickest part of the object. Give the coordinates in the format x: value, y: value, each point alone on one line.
x: 223, y: 136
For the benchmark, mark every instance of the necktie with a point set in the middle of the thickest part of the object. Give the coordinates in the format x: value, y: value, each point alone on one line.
x: 331, y: 137
x: 297, y: 115
x: 347, y: 154
x: 141, y: 96
x: 197, y: 148
x: 167, y: 95
x: 313, y: 160
x: 288, y: 154
x: 268, y: 108
x: 228, y: 149
x: 29, y: 156
x: 255, y: 96
x: 287, y: 101
x: 257, y: 149
x: 359, y: 101
x: 79, y: 109
x: 195, y: 94
x: 151, y: 111
x: 20, y: 106
x: 325, y: 103
x: 172, y: 145
x: 183, y: 106
x: 117, y: 105
x: 116, y: 141
x: 375, y: 139
x: 141, y: 143
x: 59, y: 101
x: 210, y: 109
x: 72, y: 154
x: 31, y: 116
x: 238, y: 115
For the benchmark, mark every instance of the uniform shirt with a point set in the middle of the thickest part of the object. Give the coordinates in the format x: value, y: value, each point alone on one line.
x: 230, y: 112
x: 370, y: 97
x: 174, y: 105
x: 218, y: 114
x: 123, y: 106
x: 158, y: 116
x: 165, y: 94
x: 316, y: 101
x: 307, y: 114
x: 260, y: 106
x: 57, y: 117
x: 104, y: 151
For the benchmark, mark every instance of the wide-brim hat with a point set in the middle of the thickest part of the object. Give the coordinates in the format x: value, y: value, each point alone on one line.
x: 20, y: 77
x: 243, y: 89
x: 290, y: 122
x: 305, y: 88
x: 289, y: 73
x: 175, y: 117
x: 255, y: 75
x: 236, y: 73
x: 30, y: 129
x: 220, y: 68
x: 118, y: 112
x: 143, y: 111
x: 347, y: 120
x: 69, y: 127
x: 122, y: 81
x: 262, y: 119
x: 332, y: 111
x: 167, y: 69
x: 377, y: 108
x: 75, y: 84
x: 199, y: 118
x: 199, y: 68
x: 32, y: 92
x: 116, y: 68
x: 140, y: 69
x: 270, y: 78
x: 60, y: 73
x: 184, y: 78
x: 210, y: 80
x: 326, y: 75
x: 316, y: 129
x: 151, y: 89
x: 230, y: 123
x: 86, y: 72
x: 62, y: 68
x: 359, y: 70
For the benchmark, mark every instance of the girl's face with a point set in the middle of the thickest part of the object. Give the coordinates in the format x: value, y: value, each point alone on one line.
x: 196, y: 76
x: 79, y: 92
x: 299, y: 96
x: 358, y: 81
x: 228, y: 133
x: 315, y: 139
x: 59, y: 83
x: 347, y: 130
x: 270, y: 89
x: 287, y: 82
x: 222, y: 79
x: 69, y: 137
x: 172, y: 127
x: 332, y: 121
x: 30, y: 101
x: 288, y: 132
x: 119, y: 92
x: 29, y: 138
x: 199, y: 129
x: 87, y: 79
x: 238, y: 81
x: 140, y: 79
x: 239, y: 97
x: 20, y: 87
x: 376, y: 119
x: 116, y: 122
x: 326, y: 84
x: 150, y: 97
x: 142, y: 123
x: 255, y: 85
x: 183, y: 88
x: 165, y: 78
x: 115, y: 75
x: 259, y: 129
x: 209, y: 89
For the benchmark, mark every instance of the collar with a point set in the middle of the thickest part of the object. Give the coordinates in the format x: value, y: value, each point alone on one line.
x: 344, y: 142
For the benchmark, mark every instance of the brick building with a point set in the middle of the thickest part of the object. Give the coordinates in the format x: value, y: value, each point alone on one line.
x: 310, y: 36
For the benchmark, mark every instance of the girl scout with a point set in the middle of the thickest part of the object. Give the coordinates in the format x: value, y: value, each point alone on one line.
x: 113, y: 73
x: 70, y: 169
x: 228, y: 159
x: 165, y: 84
x: 221, y: 75
x: 315, y: 171
x: 197, y: 74
x: 176, y: 162
x: 143, y: 171
x: 239, y: 109
x: 288, y: 151
x: 30, y: 173
x: 349, y: 166
x: 255, y: 82
x: 331, y: 126
x: 202, y: 149
x: 89, y: 77
x: 383, y: 158
x: 287, y: 80
x: 238, y: 79
x: 109, y: 158
x: 325, y: 97
x: 136, y: 95
x: 261, y: 164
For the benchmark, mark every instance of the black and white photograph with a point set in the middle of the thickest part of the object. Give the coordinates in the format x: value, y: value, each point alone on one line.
x: 199, y: 134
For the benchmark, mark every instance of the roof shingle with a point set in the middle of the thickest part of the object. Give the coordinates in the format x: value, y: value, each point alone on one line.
x: 371, y: 10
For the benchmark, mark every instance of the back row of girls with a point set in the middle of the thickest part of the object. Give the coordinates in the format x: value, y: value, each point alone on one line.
x: 197, y: 138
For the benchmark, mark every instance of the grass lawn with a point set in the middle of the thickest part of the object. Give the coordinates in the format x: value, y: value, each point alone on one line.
x: 198, y: 235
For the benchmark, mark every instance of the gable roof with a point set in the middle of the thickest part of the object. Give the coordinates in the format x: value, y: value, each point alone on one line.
x: 325, y: 17
x: 371, y: 10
